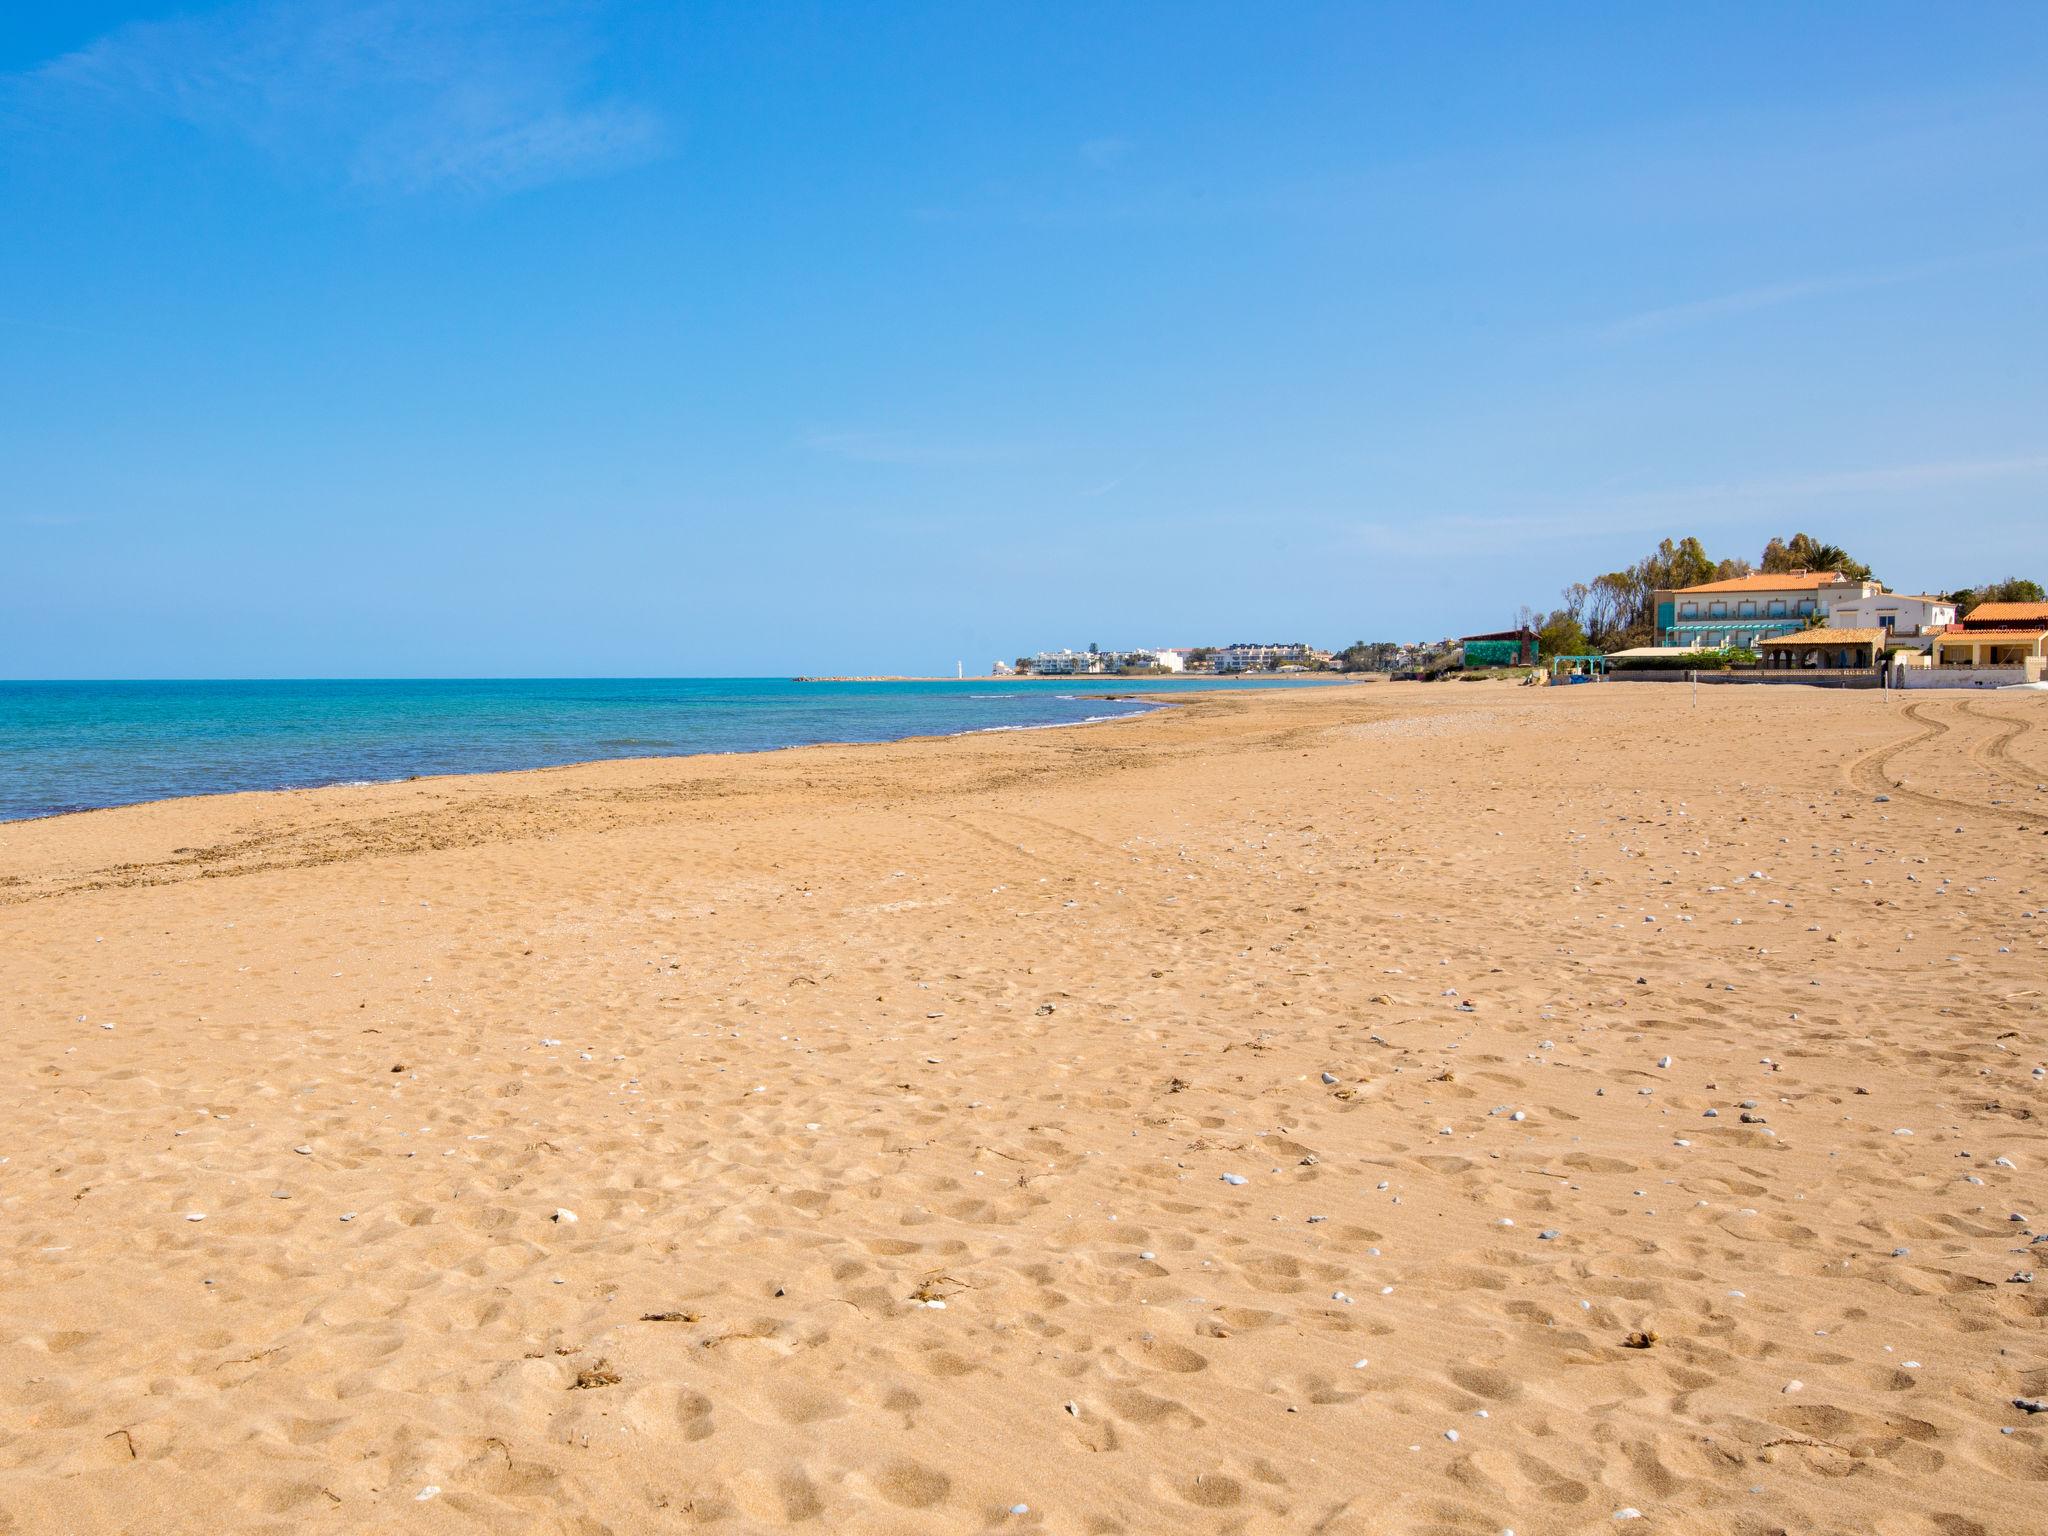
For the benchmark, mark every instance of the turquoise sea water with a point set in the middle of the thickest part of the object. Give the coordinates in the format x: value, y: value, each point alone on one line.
x: 76, y: 746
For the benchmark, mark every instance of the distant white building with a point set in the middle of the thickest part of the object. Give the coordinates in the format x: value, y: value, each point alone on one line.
x: 1262, y: 658
x: 1144, y: 658
x: 1065, y: 663
x: 1001, y: 669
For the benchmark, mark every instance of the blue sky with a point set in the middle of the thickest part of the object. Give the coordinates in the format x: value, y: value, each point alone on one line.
x: 371, y: 338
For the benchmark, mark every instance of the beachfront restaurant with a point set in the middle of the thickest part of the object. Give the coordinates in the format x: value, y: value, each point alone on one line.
x: 1826, y: 649
x: 2022, y: 648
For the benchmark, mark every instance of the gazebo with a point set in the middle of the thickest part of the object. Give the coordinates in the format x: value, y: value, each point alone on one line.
x: 1843, y: 650
x: 1577, y: 668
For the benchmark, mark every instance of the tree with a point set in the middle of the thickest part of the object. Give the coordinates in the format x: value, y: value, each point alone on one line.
x: 1684, y: 564
x: 1620, y: 607
x: 1367, y: 656
x: 2014, y: 589
x: 1803, y: 552
x: 1562, y: 635
x: 1613, y: 606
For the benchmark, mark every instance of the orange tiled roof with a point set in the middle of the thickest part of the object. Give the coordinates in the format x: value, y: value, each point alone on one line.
x: 1773, y: 581
x: 1826, y: 636
x: 1955, y: 636
x: 2019, y: 613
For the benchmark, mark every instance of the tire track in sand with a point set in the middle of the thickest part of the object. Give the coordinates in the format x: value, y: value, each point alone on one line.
x: 1997, y: 757
x: 1868, y: 772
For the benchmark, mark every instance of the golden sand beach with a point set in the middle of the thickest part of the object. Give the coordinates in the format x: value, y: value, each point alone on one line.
x: 1392, y: 1109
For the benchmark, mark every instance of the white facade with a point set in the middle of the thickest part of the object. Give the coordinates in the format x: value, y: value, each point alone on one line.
x: 1260, y: 658
x: 1063, y: 663
x: 1905, y: 614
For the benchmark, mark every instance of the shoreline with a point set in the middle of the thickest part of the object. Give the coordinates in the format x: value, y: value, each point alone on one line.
x: 1156, y: 704
x: 1166, y: 679
x: 589, y: 762
x: 299, y: 791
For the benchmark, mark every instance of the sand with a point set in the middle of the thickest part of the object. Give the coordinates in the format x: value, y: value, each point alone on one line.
x: 1279, y: 1114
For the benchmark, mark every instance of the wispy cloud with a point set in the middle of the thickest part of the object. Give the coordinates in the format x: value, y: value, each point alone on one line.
x: 1690, y: 508
x: 899, y: 448
x: 1773, y: 295
x: 1896, y: 477
x: 1105, y: 488
x: 381, y: 92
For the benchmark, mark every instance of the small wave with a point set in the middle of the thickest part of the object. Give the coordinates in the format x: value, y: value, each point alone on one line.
x: 1060, y: 725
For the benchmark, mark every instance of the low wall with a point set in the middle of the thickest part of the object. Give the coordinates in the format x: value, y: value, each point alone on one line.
x: 1963, y: 677
x: 1800, y: 677
x: 1805, y: 677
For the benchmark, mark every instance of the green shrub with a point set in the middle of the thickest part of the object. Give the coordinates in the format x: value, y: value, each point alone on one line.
x: 1719, y: 659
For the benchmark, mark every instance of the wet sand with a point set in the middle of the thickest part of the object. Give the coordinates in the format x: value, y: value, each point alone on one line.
x: 1395, y: 1109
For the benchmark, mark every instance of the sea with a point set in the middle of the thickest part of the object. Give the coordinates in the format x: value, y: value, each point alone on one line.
x: 74, y: 746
